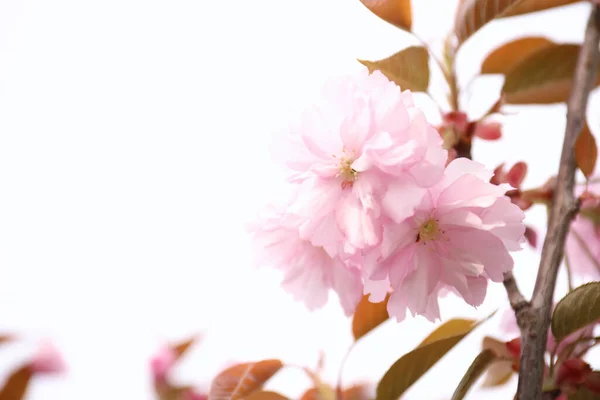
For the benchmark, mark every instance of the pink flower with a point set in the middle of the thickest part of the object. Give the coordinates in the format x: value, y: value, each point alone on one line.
x: 583, y: 241
x: 309, y: 271
x: 355, y: 155
x: 458, y: 238
x: 162, y: 363
x: 47, y: 360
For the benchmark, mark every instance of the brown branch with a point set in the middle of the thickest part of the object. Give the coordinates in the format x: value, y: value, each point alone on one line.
x: 534, y: 319
x: 516, y: 299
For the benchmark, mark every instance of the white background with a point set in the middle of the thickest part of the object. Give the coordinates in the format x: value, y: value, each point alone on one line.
x: 133, y: 148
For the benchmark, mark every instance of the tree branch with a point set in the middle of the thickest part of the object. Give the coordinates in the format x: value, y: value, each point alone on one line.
x: 516, y: 299
x: 534, y: 319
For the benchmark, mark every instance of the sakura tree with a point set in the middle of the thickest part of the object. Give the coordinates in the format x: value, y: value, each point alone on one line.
x: 392, y: 214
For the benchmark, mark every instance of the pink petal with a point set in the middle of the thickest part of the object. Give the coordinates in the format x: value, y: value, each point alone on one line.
x: 47, y: 360
x: 401, y: 199
x: 480, y: 249
x: 488, y: 131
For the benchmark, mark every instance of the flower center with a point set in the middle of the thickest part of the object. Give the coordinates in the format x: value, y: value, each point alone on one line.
x: 430, y: 230
x: 346, y: 172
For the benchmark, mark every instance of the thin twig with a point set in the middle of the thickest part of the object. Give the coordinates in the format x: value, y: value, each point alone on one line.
x: 515, y: 297
x: 534, y: 320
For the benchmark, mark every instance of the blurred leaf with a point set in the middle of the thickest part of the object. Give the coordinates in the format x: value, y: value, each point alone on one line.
x: 322, y: 392
x: 577, y: 309
x: 396, y: 12
x: 497, y: 347
x: 16, y: 384
x: 357, y: 392
x: 241, y: 380
x: 410, y: 367
x: 471, y: 15
x: 368, y: 316
x: 478, y: 367
x: 503, y: 58
x: 498, y: 374
x: 265, y: 395
x: 544, y: 77
x: 408, y: 68
x: 320, y: 389
x: 586, y: 151
x: 182, y: 347
x: 584, y: 394
x: 529, y: 6
x: 449, y: 329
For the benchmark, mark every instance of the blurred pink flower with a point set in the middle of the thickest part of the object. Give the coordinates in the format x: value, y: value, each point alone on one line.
x: 309, y: 271
x: 458, y: 238
x: 355, y: 155
x: 161, y: 363
x: 583, y: 241
x: 47, y: 360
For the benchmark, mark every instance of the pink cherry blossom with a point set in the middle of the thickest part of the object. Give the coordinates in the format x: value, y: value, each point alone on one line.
x: 583, y: 241
x: 161, y: 363
x: 310, y: 271
x: 355, y: 154
x: 192, y: 395
x: 458, y: 239
x: 47, y: 360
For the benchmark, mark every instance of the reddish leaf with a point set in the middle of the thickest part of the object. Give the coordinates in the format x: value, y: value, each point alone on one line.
x: 592, y: 383
x: 408, y: 68
x: 265, y: 395
x: 516, y: 174
x: 529, y: 6
x: 15, y: 386
x: 573, y: 372
x: 473, y: 14
x: 368, y: 316
x: 544, y: 77
x: 241, y: 380
x: 182, y: 347
x: 396, y: 12
x: 586, y: 151
x: 531, y: 236
x: 503, y: 58
x: 488, y: 130
x: 357, y: 392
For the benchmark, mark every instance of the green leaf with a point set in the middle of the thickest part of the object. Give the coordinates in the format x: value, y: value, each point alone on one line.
x: 16, y: 384
x: 503, y: 58
x: 576, y: 310
x: 408, y: 68
x: 586, y: 151
x: 478, y: 367
x: 544, y: 77
x: 396, y: 12
x: 410, y: 367
x: 368, y: 316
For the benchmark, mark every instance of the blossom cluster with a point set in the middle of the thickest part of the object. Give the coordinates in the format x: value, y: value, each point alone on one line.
x: 378, y: 208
